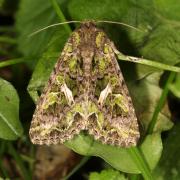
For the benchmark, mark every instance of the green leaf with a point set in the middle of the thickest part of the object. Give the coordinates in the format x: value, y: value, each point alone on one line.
x: 11, y: 62
x: 152, y: 148
x: 108, y: 174
x: 32, y: 15
x: 117, y: 157
x: 175, y: 86
x: 169, y: 165
x: 145, y: 93
x: 10, y: 126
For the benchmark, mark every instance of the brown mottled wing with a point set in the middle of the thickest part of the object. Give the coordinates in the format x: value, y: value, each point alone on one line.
x: 55, y: 119
x: 86, y: 91
x: 116, y: 122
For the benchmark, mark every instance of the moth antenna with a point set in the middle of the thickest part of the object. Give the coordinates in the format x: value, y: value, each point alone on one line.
x: 120, y: 23
x: 52, y: 25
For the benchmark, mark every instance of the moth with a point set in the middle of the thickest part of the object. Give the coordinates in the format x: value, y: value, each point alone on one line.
x: 86, y: 91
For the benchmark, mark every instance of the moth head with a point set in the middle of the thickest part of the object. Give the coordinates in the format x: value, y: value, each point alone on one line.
x: 88, y: 24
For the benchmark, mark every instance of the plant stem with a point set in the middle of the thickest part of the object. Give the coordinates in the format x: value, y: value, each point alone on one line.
x: 141, y: 163
x: 6, y: 39
x: 148, y: 62
x: 134, y: 177
x: 19, y: 161
x: 2, y: 150
x: 60, y: 15
x: 160, y: 103
x: 76, y: 168
x: 11, y: 62
x: 4, y: 171
x: 7, y: 29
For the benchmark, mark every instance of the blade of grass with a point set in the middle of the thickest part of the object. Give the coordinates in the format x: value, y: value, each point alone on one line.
x: 2, y: 147
x: 76, y: 168
x: 160, y: 103
x: 147, y: 62
x: 141, y: 163
x: 26, y: 175
x: 32, y: 156
x: 3, y: 171
x: 7, y: 29
x: 138, y: 60
x: 60, y: 15
x: 134, y: 177
x: 9, y: 40
x: 2, y: 150
x: 4, y: 52
x: 27, y: 159
x: 11, y: 62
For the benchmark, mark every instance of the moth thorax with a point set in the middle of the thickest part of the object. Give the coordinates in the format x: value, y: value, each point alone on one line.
x: 87, y: 54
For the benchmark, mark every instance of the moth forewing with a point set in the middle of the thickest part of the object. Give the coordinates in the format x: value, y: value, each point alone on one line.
x: 86, y: 91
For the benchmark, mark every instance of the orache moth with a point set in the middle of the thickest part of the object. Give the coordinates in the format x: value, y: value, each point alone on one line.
x: 86, y: 91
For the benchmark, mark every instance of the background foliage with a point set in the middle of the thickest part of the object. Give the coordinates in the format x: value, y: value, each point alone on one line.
x: 156, y: 156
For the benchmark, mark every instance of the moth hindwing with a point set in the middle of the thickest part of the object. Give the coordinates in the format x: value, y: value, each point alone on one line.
x: 86, y: 91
